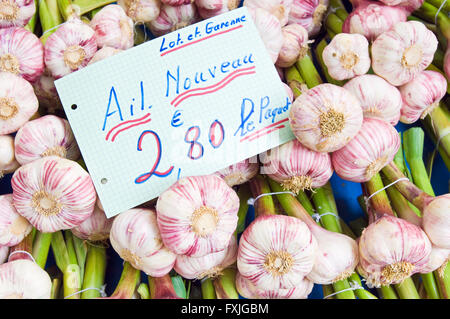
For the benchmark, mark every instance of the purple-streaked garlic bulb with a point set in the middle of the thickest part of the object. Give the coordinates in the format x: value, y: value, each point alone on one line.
x: 24, y: 279
x: 4, y: 253
x: 279, y: 8
x: 239, y: 173
x: 371, y: 18
x: 409, y: 5
x: 295, y: 45
x: 276, y: 252
x: 197, y: 215
x: 104, y: 53
x: 247, y: 290
x: 18, y: 103
x: 269, y: 28
x: 296, y: 167
x: 141, y: 10
x: 368, y: 152
x: 422, y: 95
x: 347, y: 56
x: 208, y: 266
x: 46, y: 136
x: 69, y: 48
x: 439, y: 258
x: 399, y: 54
x: 113, y: 28
x: 378, y: 98
x: 16, y: 13
x: 136, y: 238
x: 392, y: 249
x: 176, y: 2
x: 436, y: 220
x: 309, y: 14
x: 53, y: 193
x: 326, y: 117
x: 96, y: 228
x: 173, y: 18
x: 13, y: 227
x: 8, y: 163
x: 45, y: 91
x: 211, y: 8
x: 21, y: 53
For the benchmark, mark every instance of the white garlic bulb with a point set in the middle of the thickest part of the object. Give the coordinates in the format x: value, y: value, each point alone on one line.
x: 104, y: 53
x: 309, y: 14
x: 438, y: 260
x: 16, y: 13
x: 13, y: 227
x: 239, y: 173
x: 8, y: 163
x: 211, y: 8
x: 279, y: 8
x: 4, y: 253
x: 295, y: 45
x: 436, y: 220
x: 173, y: 18
x: 96, y: 227
x: 141, y: 10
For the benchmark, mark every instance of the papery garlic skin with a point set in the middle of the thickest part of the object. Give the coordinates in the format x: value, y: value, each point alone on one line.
x: 173, y: 18
x: 296, y: 167
x: 45, y: 90
x: 309, y: 14
x: 247, y: 290
x: 276, y: 252
x: 53, y: 193
x: 16, y: 13
x: 208, y: 266
x: 438, y: 260
x: 8, y: 163
x: 21, y: 53
x: 13, y: 227
x: 24, y: 279
x: 113, y: 28
x: 399, y: 54
x: 239, y: 173
x: 392, y: 249
x: 69, y: 48
x: 211, y: 8
x: 176, y: 2
x: 410, y: 5
x: 422, y: 95
x: 141, y: 10
x: 104, y: 53
x: 197, y: 215
x: 295, y: 45
x: 269, y: 29
x: 347, y: 56
x: 371, y: 18
x: 96, y: 228
x: 18, y: 103
x: 326, y: 117
x: 4, y: 253
x: 279, y: 8
x: 46, y: 136
x: 368, y: 152
x: 378, y: 98
x: 436, y: 221
x: 135, y: 237
x: 289, y: 92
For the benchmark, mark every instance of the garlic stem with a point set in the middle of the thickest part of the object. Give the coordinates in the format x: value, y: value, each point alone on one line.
x: 31, y: 25
x: 308, y: 71
x: 303, y: 198
x: 379, y: 203
x: 322, y: 201
x: 52, y: 6
x: 334, y: 23
x: 56, y: 285
x: 25, y: 245
x: 49, y: 18
x: 71, y: 249
x: 265, y: 204
x: 440, y: 122
x: 127, y: 283
x: 81, y: 250
x: 387, y: 292
x: 328, y: 290
x: 438, y: 3
x: 225, y: 284
x: 295, y: 81
x: 94, y: 276
x: 162, y: 288
x: 208, y: 291
x: 407, y: 289
x: 71, y: 281
x: 67, y: 9
x: 178, y: 285
x: 427, y: 12
x: 85, y: 6
x: 41, y: 246
x: 361, y: 293
x: 143, y: 291
x: 244, y: 195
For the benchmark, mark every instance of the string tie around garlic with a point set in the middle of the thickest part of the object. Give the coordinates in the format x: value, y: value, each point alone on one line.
x: 252, y: 201
x: 353, y: 286
x: 317, y: 217
x: 367, y: 199
x: 101, y: 290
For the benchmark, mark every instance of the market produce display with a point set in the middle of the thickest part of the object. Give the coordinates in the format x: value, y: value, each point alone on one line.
x: 368, y: 82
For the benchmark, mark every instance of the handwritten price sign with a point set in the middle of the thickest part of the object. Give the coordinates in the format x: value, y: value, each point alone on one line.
x: 188, y: 103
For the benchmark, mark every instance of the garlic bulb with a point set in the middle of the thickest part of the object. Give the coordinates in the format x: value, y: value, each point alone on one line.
x: 113, y: 28
x: 8, y: 163
x: 289, y: 92
x: 96, y: 228
x: 295, y: 45
x: 436, y: 221
x: 24, y: 279
x: 247, y: 290
x: 392, y: 249
x: 296, y: 167
x: 53, y: 193
x: 176, y: 2
x: 4, y: 252
x: 279, y: 8
x: 447, y: 62
x: 410, y: 5
x: 21, y: 53
x: 141, y: 10
x: 210, y: 265
x: 69, y: 48
x: 173, y: 18
x: 16, y: 13
x: 239, y: 173
x: 276, y: 252
x: 309, y: 14
x: 18, y: 102
x: 347, y: 56
x: 422, y: 95
x: 46, y: 136
x: 45, y: 91
x: 438, y: 260
x: 197, y: 215
x: 326, y: 117
x: 211, y: 8
x: 399, y: 54
x: 269, y: 29
x: 104, y: 53
x: 136, y: 238
x: 371, y: 18
x: 378, y: 98
x: 13, y: 227
x: 368, y: 152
